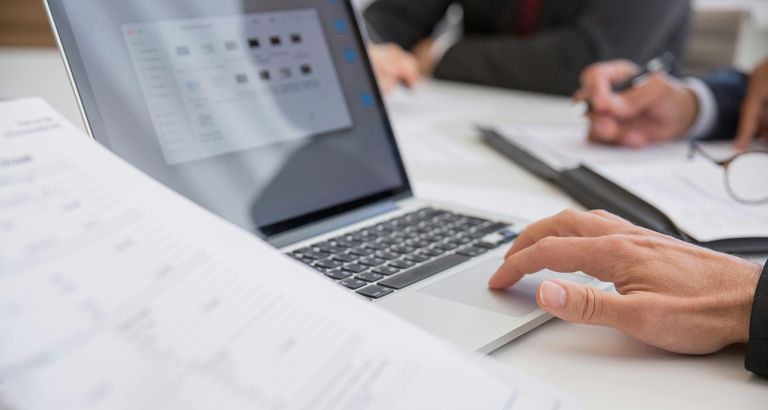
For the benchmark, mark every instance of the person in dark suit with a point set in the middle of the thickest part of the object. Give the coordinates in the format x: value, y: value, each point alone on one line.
x: 723, y: 105
x: 535, y: 45
x: 671, y: 294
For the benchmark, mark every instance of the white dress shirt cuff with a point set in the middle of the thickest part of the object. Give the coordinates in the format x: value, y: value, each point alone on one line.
x: 707, y: 116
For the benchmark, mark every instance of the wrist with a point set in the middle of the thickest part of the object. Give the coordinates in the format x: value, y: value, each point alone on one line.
x: 705, y: 112
x: 746, y: 296
x: 690, y: 110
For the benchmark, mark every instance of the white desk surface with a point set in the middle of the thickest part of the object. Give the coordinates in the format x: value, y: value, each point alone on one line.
x: 604, y: 368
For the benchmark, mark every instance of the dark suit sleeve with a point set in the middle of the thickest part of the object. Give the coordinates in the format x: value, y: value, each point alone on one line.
x: 729, y: 88
x: 552, y: 59
x: 405, y: 22
x: 757, y: 347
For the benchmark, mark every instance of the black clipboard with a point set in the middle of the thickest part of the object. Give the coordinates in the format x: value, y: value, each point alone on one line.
x: 594, y: 191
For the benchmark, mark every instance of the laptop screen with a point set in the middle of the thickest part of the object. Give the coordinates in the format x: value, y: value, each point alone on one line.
x: 265, y: 112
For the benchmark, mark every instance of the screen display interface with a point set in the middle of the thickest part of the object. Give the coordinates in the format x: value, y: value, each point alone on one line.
x: 264, y: 112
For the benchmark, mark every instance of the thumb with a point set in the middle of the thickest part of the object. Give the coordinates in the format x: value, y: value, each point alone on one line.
x: 579, y: 303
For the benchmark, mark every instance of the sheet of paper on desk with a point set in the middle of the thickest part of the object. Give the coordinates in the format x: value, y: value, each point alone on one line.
x: 693, y: 195
x: 117, y: 293
x: 524, y: 205
x: 564, y: 145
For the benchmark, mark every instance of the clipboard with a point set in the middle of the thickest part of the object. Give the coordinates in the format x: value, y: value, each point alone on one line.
x: 593, y: 191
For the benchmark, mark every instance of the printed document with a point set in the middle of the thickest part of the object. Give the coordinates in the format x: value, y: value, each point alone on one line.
x: 116, y: 293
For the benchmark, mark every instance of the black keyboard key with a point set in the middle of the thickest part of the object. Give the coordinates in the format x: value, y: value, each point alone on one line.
x: 374, y: 292
x: 347, y: 240
x: 417, y: 243
x: 316, y: 255
x: 475, y: 221
x: 494, y: 227
x: 361, y: 251
x: 401, y: 249
x: 424, y: 271
x: 417, y: 258
x: 345, y: 257
x: 386, y: 255
x: 401, y: 264
x: 354, y: 268
x: 431, y: 238
x: 330, y: 248
x: 391, y: 240
x: 463, y: 240
x: 385, y: 270
x: 353, y: 283
x: 337, y: 274
x: 369, y: 277
x: 372, y: 261
x: 446, y: 246
x: 432, y: 252
x: 328, y: 264
x: 487, y: 245
x: 376, y: 246
x: 471, y: 251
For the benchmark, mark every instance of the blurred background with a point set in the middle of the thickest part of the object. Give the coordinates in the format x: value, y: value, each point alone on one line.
x: 724, y: 33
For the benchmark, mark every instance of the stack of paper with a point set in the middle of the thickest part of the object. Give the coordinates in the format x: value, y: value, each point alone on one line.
x: 116, y: 293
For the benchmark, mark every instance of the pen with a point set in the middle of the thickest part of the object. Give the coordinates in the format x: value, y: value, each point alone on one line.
x: 660, y: 64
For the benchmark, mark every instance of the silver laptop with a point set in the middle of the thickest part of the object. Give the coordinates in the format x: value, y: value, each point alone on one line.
x: 267, y: 113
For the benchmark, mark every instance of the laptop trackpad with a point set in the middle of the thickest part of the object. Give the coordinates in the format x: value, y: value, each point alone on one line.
x: 471, y: 288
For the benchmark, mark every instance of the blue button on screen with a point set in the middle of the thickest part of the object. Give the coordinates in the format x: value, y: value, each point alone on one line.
x: 367, y: 99
x: 341, y: 26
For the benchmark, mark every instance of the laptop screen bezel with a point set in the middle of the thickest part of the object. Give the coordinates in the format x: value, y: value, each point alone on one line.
x: 91, y: 116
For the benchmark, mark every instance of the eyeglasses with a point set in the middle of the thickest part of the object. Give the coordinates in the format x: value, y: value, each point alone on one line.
x: 746, y: 174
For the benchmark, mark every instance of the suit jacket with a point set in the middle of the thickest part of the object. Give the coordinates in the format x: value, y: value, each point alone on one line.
x: 571, y: 35
x: 756, y: 359
x: 729, y: 88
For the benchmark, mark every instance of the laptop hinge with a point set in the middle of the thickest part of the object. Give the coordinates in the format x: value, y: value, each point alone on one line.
x: 331, y: 224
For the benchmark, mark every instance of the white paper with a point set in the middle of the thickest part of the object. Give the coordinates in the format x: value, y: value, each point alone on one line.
x: 423, y: 123
x: 564, y: 145
x: 116, y: 293
x: 517, y: 204
x: 693, y: 195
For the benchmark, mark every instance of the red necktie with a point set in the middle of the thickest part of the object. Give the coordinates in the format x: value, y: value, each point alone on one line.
x: 529, y: 13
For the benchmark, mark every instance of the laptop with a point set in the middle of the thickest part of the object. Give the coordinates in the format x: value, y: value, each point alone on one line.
x: 267, y: 113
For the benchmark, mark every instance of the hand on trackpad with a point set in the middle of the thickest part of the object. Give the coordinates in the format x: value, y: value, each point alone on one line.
x: 471, y: 288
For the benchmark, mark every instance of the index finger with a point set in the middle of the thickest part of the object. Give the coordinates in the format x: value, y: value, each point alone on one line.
x: 598, y: 80
x: 571, y: 223
x: 594, y: 256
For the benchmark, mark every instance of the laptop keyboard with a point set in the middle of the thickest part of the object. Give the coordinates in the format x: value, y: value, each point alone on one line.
x: 389, y: 256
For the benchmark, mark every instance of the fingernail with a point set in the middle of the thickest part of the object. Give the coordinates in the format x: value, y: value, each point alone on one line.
x: 552, y: 295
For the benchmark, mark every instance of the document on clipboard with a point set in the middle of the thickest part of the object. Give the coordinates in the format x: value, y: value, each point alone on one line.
x: 658, y: 187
